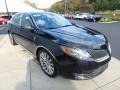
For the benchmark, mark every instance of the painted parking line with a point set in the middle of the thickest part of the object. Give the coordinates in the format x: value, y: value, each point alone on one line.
x: 109, y: 22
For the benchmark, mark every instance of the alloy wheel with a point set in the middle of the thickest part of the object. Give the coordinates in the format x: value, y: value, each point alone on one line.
x: 46, y: 63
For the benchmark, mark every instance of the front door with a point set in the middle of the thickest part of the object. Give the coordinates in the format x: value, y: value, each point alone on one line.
x: 27, y: 33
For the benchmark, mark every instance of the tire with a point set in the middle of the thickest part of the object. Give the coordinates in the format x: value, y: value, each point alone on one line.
x: 84, y: 19
x: 47, y: 63
x: 12, y: 39
x: 94, y: 20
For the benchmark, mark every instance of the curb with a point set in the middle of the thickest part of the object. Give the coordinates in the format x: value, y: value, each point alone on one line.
x: 110, y: 22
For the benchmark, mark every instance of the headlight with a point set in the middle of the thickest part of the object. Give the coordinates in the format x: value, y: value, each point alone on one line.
x: 109, y: 48
x: 78, y: 53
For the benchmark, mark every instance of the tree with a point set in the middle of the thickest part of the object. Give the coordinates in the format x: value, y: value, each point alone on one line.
x: 32, y: 4
x: 74, y: 5
x: 71, y: 6
x: 114, y: 4
x: 107, y: 5
x: 57, y: 7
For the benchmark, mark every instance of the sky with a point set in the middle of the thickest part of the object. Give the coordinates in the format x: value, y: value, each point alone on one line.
x: 44, y: 3
x: 15, y: 6
x: 18, y: 3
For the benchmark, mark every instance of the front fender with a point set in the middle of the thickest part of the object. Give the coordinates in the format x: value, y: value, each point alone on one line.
x: 50, y: 45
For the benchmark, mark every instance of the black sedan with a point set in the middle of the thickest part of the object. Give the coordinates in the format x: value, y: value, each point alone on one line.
x: 59, y: 45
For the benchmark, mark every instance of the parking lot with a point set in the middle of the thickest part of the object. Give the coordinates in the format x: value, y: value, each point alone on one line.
x: 20, y: 71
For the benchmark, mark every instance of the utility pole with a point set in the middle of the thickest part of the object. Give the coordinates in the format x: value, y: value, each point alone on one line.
x: 7, y: 9
x: 65, y: 1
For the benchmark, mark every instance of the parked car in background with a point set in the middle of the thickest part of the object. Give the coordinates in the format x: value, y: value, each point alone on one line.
x: 68, y: 16
x: 87, y: 17
x: 59, y: 45
x: 4, y: 20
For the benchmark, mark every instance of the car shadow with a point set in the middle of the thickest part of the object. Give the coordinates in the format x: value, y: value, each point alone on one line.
x: 37, y: 80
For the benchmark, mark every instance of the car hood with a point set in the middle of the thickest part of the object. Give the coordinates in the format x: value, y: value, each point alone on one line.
x: 78, y: 36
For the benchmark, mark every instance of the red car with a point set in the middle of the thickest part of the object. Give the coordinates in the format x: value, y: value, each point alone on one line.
x: 69, y: 16
x: 4, y: 20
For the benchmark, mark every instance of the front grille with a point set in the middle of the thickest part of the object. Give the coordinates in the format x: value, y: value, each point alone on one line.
x: 104, y: 46
x: 99, y: 53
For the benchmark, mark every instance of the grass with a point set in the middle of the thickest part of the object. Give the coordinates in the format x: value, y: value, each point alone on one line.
x: 108, y: 16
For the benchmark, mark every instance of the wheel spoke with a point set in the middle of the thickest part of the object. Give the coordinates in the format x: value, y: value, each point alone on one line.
x: 46, y: 63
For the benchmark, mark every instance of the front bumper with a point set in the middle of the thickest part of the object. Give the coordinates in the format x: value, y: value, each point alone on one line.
x: 81, y: 69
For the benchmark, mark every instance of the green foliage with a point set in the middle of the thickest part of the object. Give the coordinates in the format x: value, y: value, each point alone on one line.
x: 74, y: 5
x: 107, y: 5
x: 57, y: 7
x: 109, y: 17
x: 71, y: 6
x: 32, y: 4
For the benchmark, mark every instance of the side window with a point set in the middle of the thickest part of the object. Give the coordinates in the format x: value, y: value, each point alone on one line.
x: 16, y: 19
x: 26, y: 21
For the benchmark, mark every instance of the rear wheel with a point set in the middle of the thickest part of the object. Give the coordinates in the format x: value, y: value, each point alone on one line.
x: 47, y: 63
x: 12, y: 39
x: 94, y: 20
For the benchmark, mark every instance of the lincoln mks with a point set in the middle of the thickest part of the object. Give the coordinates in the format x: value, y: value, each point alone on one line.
x: 60, y: 46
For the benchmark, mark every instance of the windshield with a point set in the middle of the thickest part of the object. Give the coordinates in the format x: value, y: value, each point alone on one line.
x: 50, y: 20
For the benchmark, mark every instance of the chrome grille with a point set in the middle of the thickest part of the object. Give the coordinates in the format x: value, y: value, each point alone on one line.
x: 99, y: 54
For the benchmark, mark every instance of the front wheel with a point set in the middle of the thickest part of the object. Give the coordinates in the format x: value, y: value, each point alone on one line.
x: 94, y: 20
x: 47, y: 63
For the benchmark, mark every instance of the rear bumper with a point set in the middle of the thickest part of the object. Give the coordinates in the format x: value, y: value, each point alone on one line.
x: 96, y: 19
x: 81, y: 69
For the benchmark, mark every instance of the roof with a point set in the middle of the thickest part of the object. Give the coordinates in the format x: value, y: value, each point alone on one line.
x: 34, y: 12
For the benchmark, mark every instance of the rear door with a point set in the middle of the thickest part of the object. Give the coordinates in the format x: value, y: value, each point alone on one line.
x: 14, y: 25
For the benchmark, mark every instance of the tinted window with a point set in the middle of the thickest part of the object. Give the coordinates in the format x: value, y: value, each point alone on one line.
x: 50, y: 20
x: 26, y: 21
x: 16, y: 19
